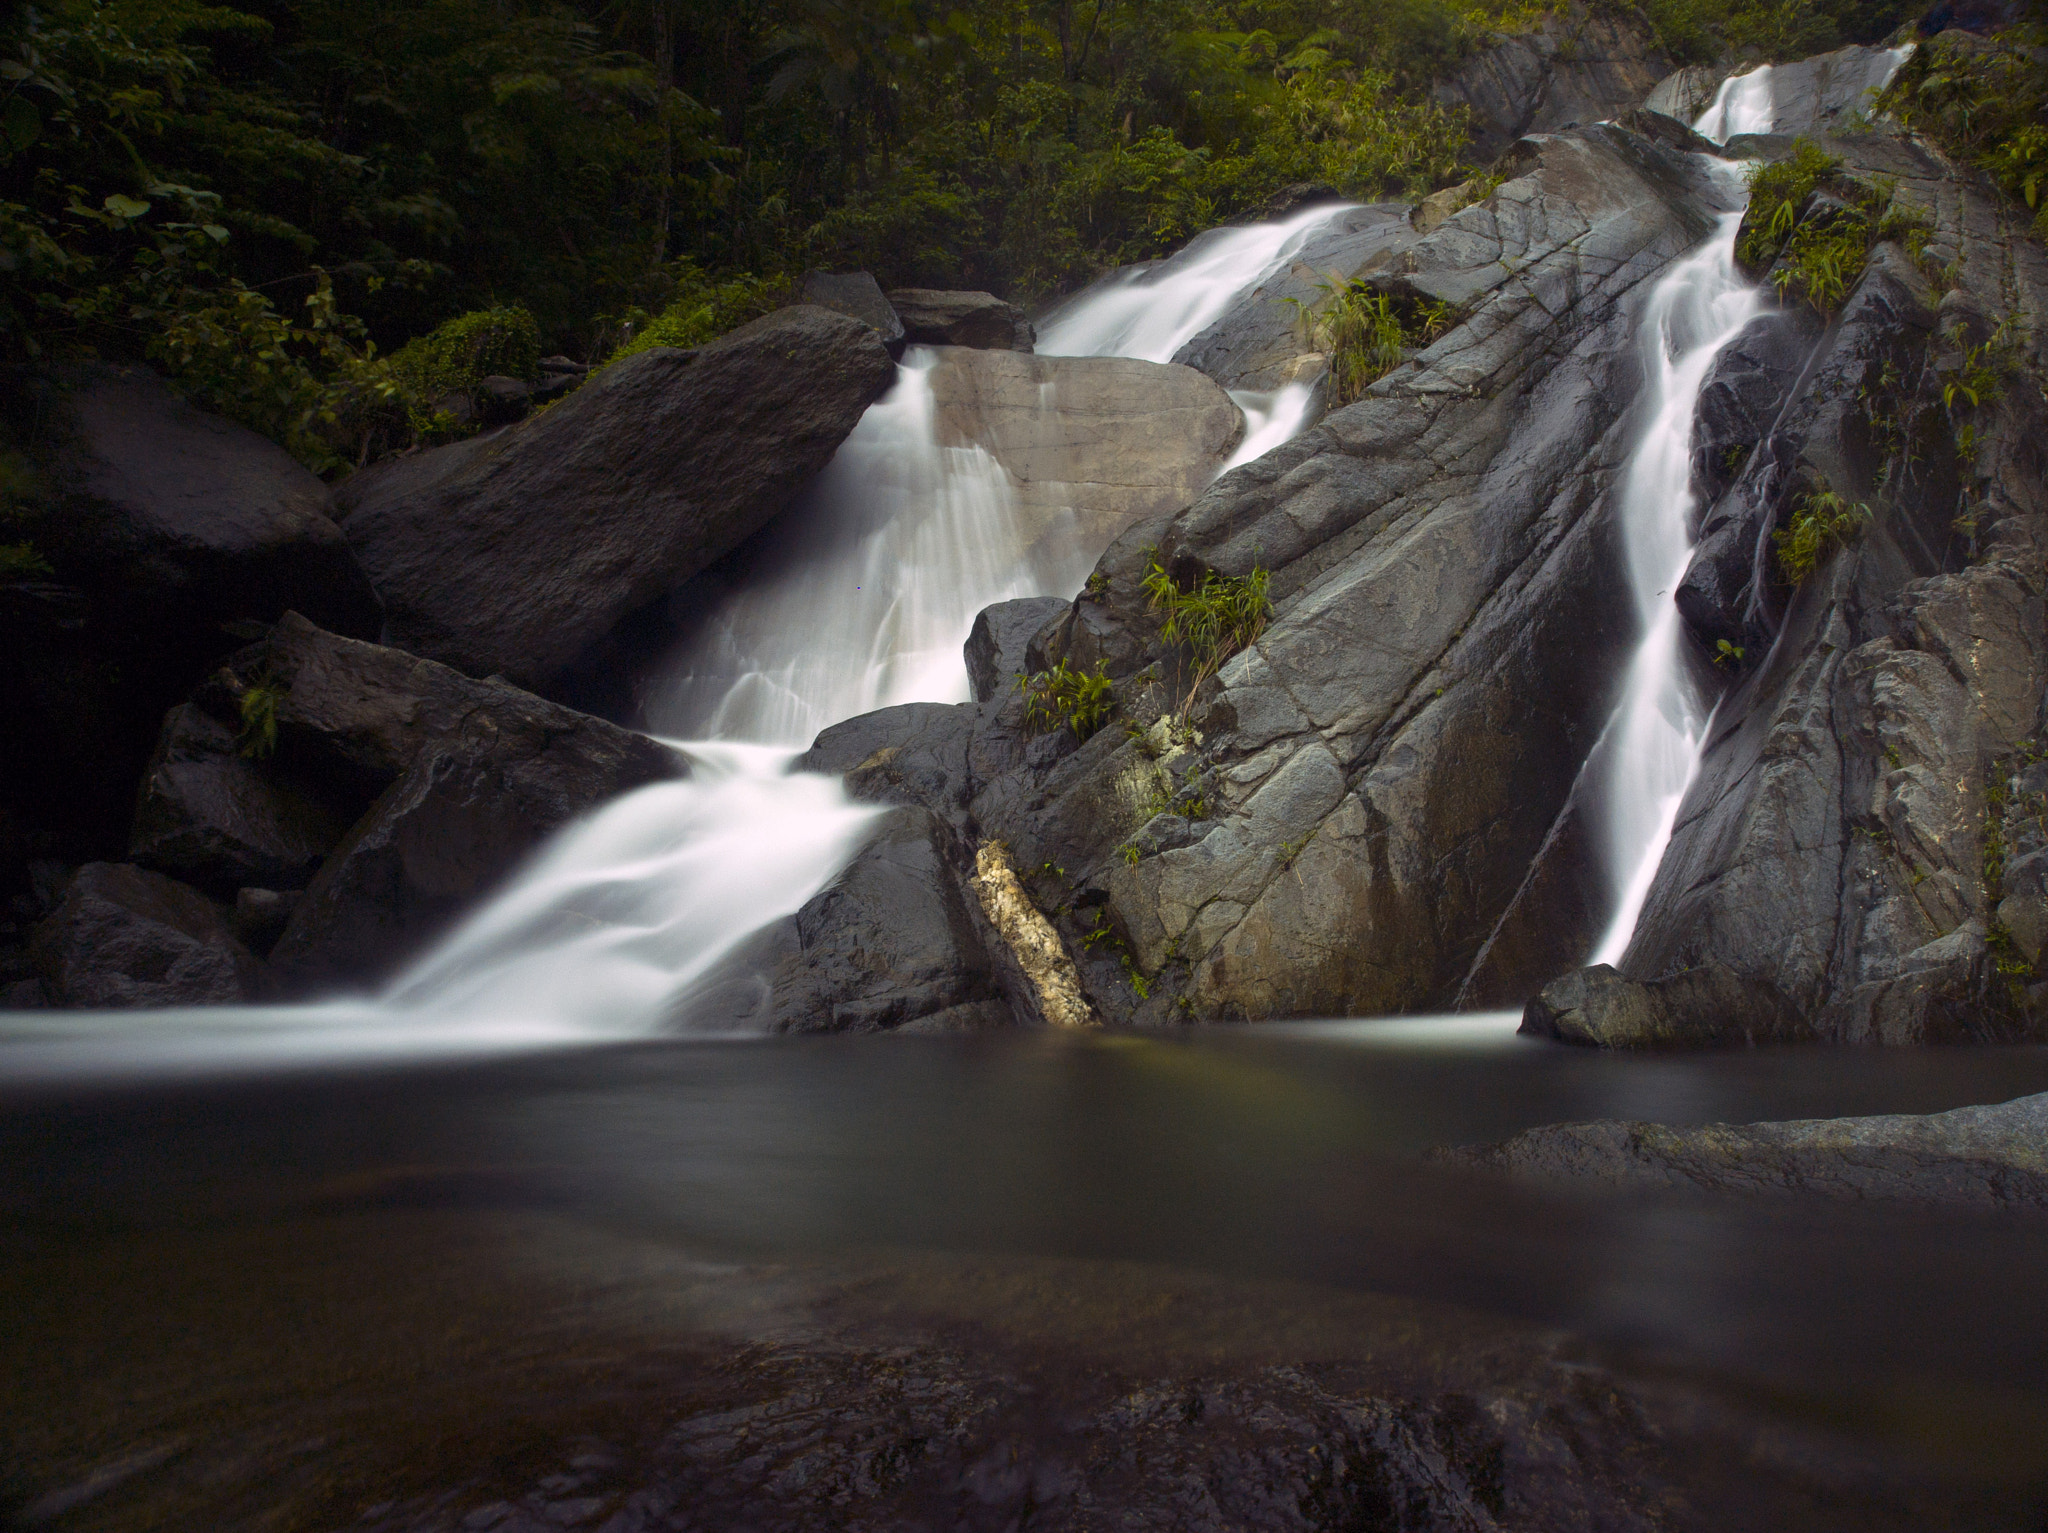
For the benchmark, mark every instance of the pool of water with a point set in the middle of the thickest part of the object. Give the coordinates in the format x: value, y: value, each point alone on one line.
x: 247, y: 1299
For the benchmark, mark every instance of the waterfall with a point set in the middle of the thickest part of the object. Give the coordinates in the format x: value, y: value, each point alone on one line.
x: 1648, y: 754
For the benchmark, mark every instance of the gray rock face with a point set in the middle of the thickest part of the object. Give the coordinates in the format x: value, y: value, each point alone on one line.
x: 932, y: 317
x: 124, y: 936
x: 1822, y: 94
x: 1992, y: 1158
x: 194, y: 519
x: 1579, y: 66
x: 1598, y: 1006
x: 857, y: 295
x: 998, y: 645
x: 1350, y: 808
x: 1842, y: 848
x: 1128, y: 439
x: 515, y: 552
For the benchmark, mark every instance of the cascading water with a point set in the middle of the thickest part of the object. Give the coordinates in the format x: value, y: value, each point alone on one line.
x: 1650, y: 749
x: 861, y: 598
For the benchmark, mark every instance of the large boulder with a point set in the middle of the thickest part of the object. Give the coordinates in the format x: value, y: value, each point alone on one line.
x: 193, y: 520
x: 455, y: 780
x: 932, y: 317
x: 123, y: 936
x: 1843, y: 848
x: 515, y: 552
x: 1985, y: 1158
x: 998, y: 645
x: 170, y: 532
x: 1126, y: 440
x: 857, y: 295
x: 1579, y: 65
x: 214, y: 815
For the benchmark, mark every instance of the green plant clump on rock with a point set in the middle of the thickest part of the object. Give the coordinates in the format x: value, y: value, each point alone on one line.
x: 1820, y: 523
x: 1216, y: 617
x: 1064, y: 696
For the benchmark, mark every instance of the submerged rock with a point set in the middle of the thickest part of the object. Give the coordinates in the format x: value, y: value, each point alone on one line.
x: 123, y: 936
x: 1973, y: 1157
x: 932, y: 317
x: 516, y: 552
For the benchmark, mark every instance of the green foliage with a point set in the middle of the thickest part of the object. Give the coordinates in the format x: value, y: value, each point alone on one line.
x: 258, y: 737
x: 20, y: 561
x: 1216, y: 617
x: 1983, y: 100
x: 1702, y: 31
x: 460, y: 353
x: 1065, y: 697
x: 1821, y: 522
x: 702, y: 308
x: 1776, y: 193
x: 1726, y: 653
x: 1981, y: 371
x: 1822, y: 260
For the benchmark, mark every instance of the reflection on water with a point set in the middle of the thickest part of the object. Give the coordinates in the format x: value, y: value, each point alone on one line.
x: 187, y: 1257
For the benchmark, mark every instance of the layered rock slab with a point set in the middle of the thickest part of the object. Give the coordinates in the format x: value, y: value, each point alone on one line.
x: 516, y: 552
x: 1989, y: 1158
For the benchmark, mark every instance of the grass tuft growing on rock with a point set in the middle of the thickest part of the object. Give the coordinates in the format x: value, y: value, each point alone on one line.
x: 1215, y: 618
x: 1776, y: 193
x: 1065, y: 697
x: 1820, y: 523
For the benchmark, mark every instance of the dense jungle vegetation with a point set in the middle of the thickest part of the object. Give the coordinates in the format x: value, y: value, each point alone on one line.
x: 270, y: 199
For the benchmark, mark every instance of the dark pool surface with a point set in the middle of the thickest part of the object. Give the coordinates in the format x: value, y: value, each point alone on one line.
x: 193, y: 1262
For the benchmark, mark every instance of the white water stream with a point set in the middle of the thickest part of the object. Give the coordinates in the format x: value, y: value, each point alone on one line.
x: 860, y: 598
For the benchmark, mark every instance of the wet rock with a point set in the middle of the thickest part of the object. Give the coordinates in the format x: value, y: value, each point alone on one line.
x: 932, y: 317
x: 915, y: 753
x: 1578, y: 66
x: 261, y: 915
x: 220, y: 819
x: 1260, y: 343
x: 455, y: 825
x: 515, y: 552
x: 893, y: 941
x: 857, y: 295
x: 123, y: 936
x: 1601, y: 1007
x: 999, y: 640
x: 1974, y: 1157
x: 453, y: 780
x: 1129, y: 439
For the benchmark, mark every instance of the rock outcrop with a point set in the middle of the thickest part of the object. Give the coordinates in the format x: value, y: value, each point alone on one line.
x: 517, y: 551
x: 934, y: 317
x: 1991, y: 1158
x: 1842, y: 852
x: 1581, y: 65
x: 1340, y: 818
x: 124, y: 936
x: 857, y: 295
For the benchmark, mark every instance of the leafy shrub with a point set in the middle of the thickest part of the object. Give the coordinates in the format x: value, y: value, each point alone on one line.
x: 1823, y: 259
x: 459, y: 354
x: 1776, y: 193
x: 1982, y: 101
x: 701, y: 310
x: 1079, y: 700
x: 1217, y: 617
x: 1365, y: 332
x: 1820, y: 523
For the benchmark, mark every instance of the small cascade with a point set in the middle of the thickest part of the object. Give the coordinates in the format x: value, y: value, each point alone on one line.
x: 1151, y: 313
x: 1744, y: 104
x: 1270, y: 419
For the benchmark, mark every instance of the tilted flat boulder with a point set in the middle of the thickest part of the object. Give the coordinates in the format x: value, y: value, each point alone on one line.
x: 123, y: 936
x: 514, y: 553
x: 935, y: 317
x: 1125, y: 439
x: 1973, y: 1157
x: 997, y: 644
